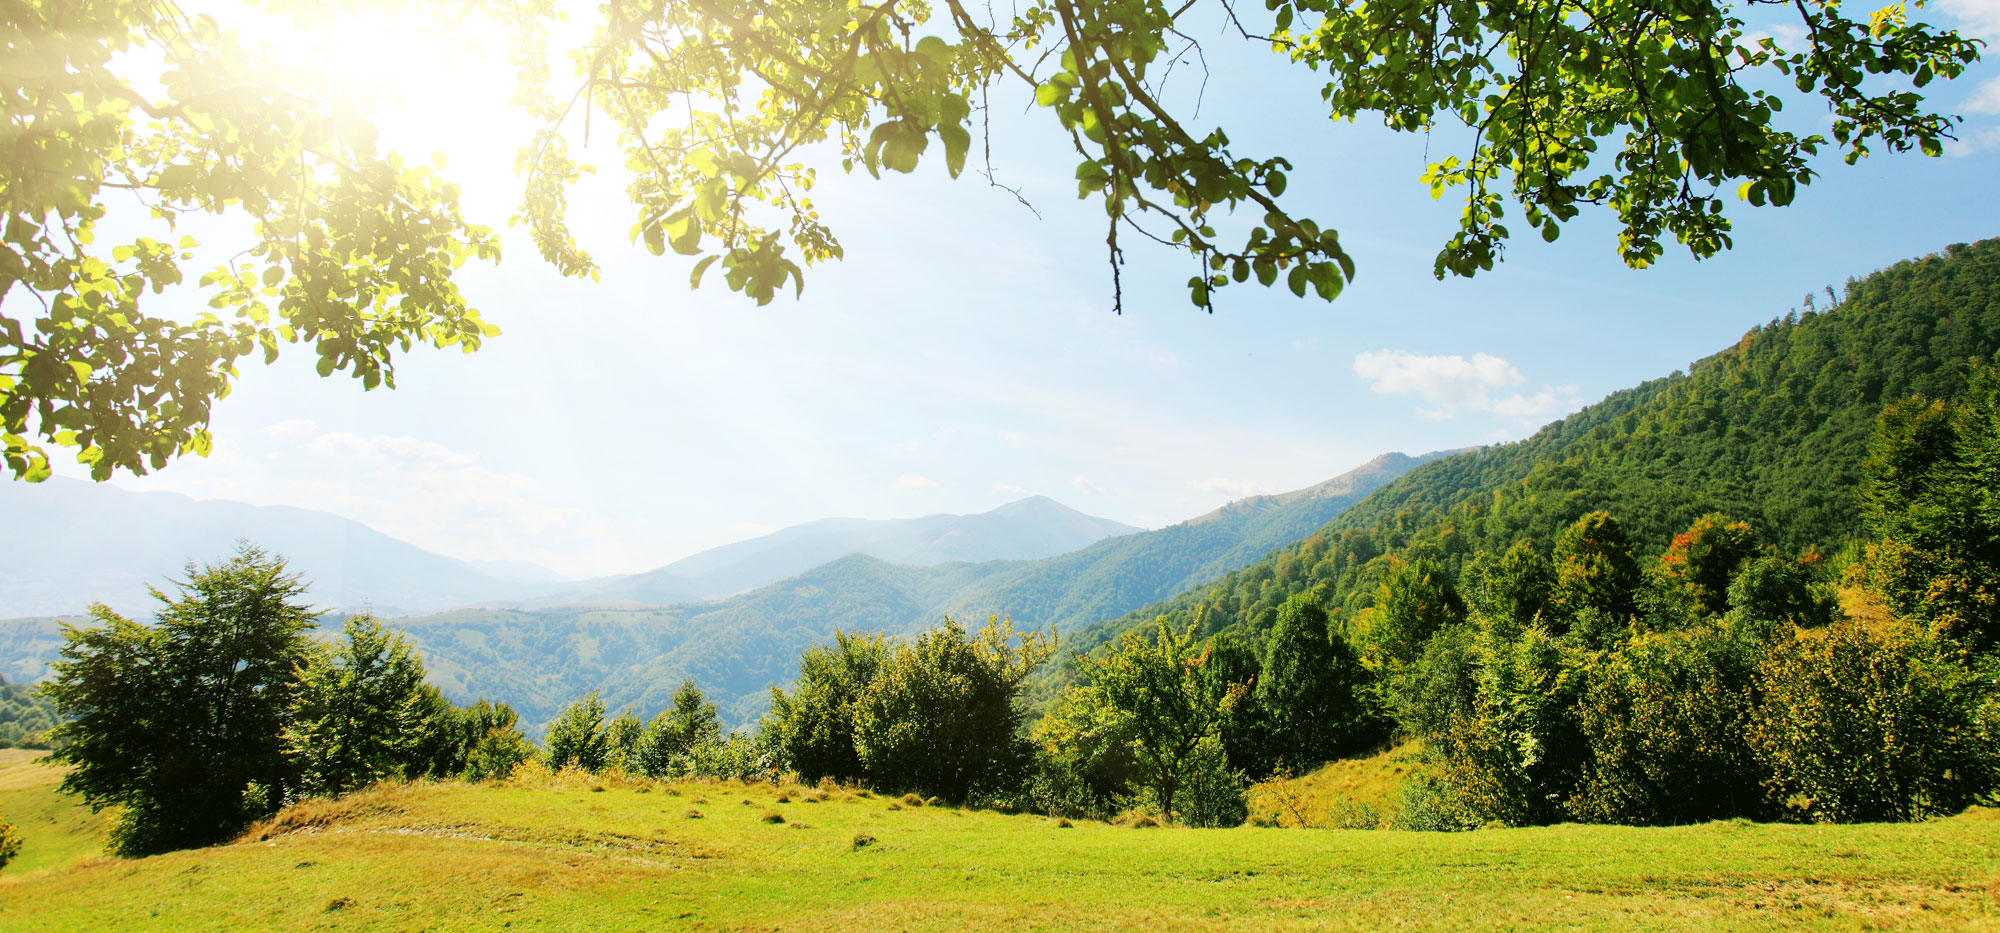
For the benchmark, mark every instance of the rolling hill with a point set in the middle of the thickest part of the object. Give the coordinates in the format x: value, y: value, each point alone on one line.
x: 1772, y: 430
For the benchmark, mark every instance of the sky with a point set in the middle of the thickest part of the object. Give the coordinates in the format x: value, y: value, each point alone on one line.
x: 965, y: 354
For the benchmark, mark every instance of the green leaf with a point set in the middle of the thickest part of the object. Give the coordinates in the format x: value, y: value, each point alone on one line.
x: 956, y: 142
x: 694, y: 280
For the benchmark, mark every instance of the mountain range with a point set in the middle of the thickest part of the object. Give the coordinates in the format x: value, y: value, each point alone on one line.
x: 99, y: 543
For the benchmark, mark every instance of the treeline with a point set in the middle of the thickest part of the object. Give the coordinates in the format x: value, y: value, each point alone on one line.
x: 25, y: 717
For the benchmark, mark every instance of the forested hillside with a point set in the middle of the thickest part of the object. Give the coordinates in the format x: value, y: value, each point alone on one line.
x: 738, y: 647
x: 1772, y: 430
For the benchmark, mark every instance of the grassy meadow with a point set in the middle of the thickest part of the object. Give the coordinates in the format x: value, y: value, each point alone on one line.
x: 56, y: 832
x: 582, y: 854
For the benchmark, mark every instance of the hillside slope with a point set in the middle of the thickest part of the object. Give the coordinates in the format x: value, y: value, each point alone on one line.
x: 1772, y: 430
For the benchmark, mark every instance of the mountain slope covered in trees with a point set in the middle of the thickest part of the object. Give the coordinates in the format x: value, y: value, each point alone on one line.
x: 1772, y: 430
x: 735, y: 648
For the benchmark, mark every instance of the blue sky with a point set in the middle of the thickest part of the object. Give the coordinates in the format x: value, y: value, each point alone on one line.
x: 964, y: 354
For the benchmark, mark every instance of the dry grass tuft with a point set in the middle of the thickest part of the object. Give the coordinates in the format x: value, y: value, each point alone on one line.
x: 1145, y: 822
x: 862, y: 840
x: 772, y: 816
x: 1063, y: 823
x: 894, y: 805
x: 913, y: 800
x: 691, y: 814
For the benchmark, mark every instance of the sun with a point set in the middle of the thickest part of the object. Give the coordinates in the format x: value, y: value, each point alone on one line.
x: 429, y: 85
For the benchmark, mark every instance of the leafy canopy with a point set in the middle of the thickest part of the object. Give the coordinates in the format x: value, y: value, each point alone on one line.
x: 726, y: 109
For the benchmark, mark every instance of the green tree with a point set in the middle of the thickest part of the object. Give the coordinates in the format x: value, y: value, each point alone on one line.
x: 1930, y: 491
x: 1233, y: 672
x: 1167, y: 706
x: 1084, y: 763
x: 812, y: 727
x: 943, y: 716
x: 181, y: 725
x: 1520, y: 587
x: 177, y: 109
x: 356, y: 711
x: 1774, y: 591
x: 1594, y: 569
x: 1311, y: 694
x: 623, y: 736
x: 1415, y: 601
x: 678, y: 733
x: 578, y: 737
x: 1703, y: 560
x: 499, y: 745
x: 352, y: 251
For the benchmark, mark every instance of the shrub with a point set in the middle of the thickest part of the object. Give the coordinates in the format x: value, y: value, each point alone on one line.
x: 1084, y: 766
x: 10, y: 842
x: 942, y: 715
x: 1211, y: 793
x: 1664, y: 718
x: 1859, y: 727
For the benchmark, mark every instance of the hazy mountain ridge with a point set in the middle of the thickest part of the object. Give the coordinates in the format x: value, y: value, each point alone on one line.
x: 1026, y: 529
x: 140, y: 539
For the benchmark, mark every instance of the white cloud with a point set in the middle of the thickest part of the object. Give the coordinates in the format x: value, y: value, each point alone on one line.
x: 1986, y: 99
x: 1009, y: 489
x: 1973, y: 142
x: 291, y: 429
x: 1084, y: 485
x: 1454, y: 384
x: 1234, y: 488
x: 1977, y: 18
x: 913, y: 483
x: 382, y: 448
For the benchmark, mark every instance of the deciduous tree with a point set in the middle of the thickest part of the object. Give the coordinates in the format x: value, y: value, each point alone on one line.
x: 181, y: 724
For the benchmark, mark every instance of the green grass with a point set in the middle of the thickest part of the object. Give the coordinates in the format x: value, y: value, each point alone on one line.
x: 55, y: 831
x: 568, y: 856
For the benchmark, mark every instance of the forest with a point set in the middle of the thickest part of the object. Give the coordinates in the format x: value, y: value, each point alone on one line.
x: 1768, y: 588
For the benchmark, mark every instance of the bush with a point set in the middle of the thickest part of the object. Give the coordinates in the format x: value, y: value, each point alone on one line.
x: 1664, y: 718
x: 1084, y: 766
x: 941, y: 717
x: 1211, y: 793
x: 1859, y: 727
x: 10, y: 842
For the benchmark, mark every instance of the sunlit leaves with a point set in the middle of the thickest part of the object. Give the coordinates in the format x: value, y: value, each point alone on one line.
x: 352, y: 252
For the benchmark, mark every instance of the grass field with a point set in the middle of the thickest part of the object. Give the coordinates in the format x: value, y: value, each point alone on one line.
x: 567, y: 856
x: 56, y: 832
